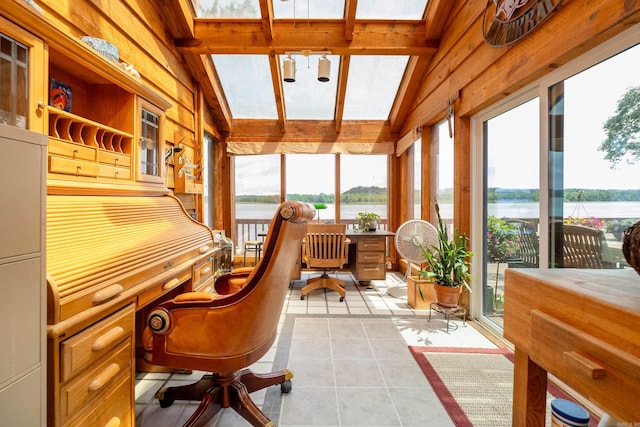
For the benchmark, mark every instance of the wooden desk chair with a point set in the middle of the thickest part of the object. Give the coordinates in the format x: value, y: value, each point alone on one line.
x: 326, y: 247
x: 224, y: 335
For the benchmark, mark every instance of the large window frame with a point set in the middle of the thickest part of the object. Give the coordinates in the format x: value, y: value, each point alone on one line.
x: 538, y: 89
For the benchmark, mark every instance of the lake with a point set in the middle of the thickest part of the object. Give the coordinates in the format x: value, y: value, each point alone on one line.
x: 507, y: 209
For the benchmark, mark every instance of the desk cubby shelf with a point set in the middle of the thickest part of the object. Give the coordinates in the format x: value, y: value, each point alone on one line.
x: 71, y: 128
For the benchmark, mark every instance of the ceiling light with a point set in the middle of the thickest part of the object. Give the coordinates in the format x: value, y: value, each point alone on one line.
x: 324, y: 68
x: 289, y: 67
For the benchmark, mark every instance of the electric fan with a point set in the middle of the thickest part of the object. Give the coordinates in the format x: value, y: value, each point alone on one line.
x: 412, y: 238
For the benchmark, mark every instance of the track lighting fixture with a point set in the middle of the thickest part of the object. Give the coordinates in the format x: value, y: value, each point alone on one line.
x: 324, y: 68
x: 289, y: 66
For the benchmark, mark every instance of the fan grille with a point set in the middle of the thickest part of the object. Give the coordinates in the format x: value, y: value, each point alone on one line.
x: 413, y: 237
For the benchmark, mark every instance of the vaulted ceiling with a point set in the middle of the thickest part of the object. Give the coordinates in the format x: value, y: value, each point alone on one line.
x: 379, y: 52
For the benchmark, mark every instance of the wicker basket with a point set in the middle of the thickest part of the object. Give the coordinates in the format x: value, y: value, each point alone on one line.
x: 631, y: 246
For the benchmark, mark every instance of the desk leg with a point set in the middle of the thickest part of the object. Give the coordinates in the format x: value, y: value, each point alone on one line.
x: 529, y: 391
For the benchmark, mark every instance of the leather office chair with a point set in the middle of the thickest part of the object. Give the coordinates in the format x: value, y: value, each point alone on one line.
x: 224, y: 335
x: 325, y: 246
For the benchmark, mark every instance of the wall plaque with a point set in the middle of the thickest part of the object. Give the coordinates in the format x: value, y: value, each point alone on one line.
x: 507, y: 21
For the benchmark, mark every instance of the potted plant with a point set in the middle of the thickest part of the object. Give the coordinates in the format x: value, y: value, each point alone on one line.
x: 447, y: 265
x: 368, y: 221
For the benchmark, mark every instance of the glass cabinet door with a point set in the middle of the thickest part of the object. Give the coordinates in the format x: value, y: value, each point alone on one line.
x: 14, y: 82
x: 150, y: 167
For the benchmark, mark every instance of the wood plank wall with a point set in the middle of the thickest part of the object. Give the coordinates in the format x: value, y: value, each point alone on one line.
x: 137, y: 28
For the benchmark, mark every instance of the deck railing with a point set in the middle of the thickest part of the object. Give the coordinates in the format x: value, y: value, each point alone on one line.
x: 256, y: 229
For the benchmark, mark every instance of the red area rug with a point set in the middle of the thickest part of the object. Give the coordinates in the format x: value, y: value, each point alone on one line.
x: 475, y: 385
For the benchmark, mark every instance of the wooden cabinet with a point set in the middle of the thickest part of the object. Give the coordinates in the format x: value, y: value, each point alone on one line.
x: 580, y: 326
x: 367, y: 254
x: 22, y: 278
x: 94, y: 364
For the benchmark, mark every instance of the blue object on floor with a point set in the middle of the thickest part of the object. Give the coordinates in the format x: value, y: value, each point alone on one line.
x: 566, y: 413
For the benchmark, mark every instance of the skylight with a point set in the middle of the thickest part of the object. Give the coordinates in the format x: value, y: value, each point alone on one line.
x: 383, y: 73
x: 246, y: 80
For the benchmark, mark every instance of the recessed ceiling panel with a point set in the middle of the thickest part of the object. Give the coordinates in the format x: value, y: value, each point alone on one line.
x: 388, y: 9
x: 307, y: 98
x: 228, y: 9
x: 312, y: 9
x: 372, y: 86
x: 248, y: 88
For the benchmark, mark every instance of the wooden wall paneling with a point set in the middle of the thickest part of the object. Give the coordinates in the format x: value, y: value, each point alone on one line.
x: 531, y: 58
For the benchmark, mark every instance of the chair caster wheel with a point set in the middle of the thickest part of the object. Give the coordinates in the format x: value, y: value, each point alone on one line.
x: 285, y: 387
x: 165, y: 403
x: 341, y: 299
x: 302, y: 297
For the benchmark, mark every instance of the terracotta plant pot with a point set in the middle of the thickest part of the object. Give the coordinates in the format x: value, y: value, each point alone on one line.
x: 447, y: 296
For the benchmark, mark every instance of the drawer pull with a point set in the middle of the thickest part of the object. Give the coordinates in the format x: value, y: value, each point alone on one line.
x: 372, y: 257
x: 171, y: 284
x: 205, y: 271
x: 104, y: 377
x: 584, y: 365
x: 105, y: 340
x: 113, y: 422
x: 107, y: 293
x: 204, y: 249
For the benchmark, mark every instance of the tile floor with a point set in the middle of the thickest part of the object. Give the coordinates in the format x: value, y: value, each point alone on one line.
x: 350, y: 362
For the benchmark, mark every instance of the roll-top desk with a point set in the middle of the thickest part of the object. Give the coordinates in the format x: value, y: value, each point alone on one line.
x: 109, y: 257
x: 582, y: 326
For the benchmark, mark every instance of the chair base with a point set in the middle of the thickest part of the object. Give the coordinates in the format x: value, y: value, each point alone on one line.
x: 324, y: 281
x: 218, y: 391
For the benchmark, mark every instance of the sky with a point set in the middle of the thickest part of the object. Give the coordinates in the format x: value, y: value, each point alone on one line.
x: 590, y: 99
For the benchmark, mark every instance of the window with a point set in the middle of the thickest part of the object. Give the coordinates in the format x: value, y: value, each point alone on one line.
x: 14, y: 87
x: 417, y: 178
x: 511, y: 194
x: 311, y: 178
x: 208, y: 181
x: 363, y: 187
x: 585, y: 187
x: 543, y: 180
x: 444, y: 172
x: 257, y: 195
x: 150, y: 167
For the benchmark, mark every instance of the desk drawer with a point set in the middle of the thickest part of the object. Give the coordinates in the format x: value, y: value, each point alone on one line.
x: 603, y: 373
x: 371, y: 271
x: 202, y: 271
x: 371, y: 257
x: 91, y: 344
x: 114, y: 410
x: 371, y: 244
x: 96, y: 381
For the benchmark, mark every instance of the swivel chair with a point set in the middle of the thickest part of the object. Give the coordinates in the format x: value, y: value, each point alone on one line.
x: 224, y: 334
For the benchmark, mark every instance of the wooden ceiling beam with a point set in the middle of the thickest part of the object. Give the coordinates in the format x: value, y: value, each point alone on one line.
x: 278, y: 91
x: 369, y: 37
x: 350, y: 7
x: 341, y: 91
x: 435, y: 17
x: 246, y: 130
x: 266, y: 16
x: 403, y: 104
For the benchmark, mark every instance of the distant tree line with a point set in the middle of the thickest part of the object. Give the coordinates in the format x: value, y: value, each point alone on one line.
x: 569, y: 195
x: 378, y: 195
x: 356, y: 195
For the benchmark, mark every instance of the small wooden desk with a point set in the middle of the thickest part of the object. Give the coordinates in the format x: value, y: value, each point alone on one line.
x: 368, y: 254
x: 582, y: 326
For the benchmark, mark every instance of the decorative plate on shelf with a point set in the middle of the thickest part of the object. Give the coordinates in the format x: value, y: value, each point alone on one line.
x: 103, y: 47
x: 60, y: 95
